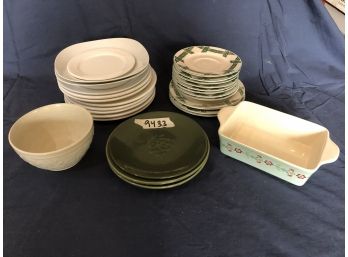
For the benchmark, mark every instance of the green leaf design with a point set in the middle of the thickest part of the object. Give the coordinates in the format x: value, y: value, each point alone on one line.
x: 186, y: 51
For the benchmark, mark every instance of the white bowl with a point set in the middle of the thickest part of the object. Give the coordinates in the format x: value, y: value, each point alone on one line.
x: 53, y: 137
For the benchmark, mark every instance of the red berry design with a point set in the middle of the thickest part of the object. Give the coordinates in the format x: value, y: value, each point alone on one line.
x: 229, y: 147
x: 238, y: 150
x: 290, y: 172
x: 269, y: 163
x: 258, y: 158
x: 301, y: 176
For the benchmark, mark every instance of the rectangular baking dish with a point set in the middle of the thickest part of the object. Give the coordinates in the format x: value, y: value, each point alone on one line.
x: 280, y: 144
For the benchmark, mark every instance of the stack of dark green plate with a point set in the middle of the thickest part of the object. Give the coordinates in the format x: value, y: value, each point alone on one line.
x: 157, y: 150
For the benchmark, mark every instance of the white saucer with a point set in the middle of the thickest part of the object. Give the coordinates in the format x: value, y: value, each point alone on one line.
x: 207, y: 62
x: 192, y: 111
x: 206, y: 105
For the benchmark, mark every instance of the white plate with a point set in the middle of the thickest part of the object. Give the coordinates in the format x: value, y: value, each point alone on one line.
x: 207, y: 61
x: 132, y: 110
x: 111, y: 89
x: 205, y: 91
x: 215, y: 85
x: 117, y: 109
x: 233, y: 99
x: 95, y: 87
x: 125, y: 115
x: 207, y: 105
x: 209, y: 91
x: 191, y: 111
x: 205, y: 96
x: 129, y: 45
x: 122, y: 100
x: 131, y: 90
x: 204, y: 80
x: 101, y: 64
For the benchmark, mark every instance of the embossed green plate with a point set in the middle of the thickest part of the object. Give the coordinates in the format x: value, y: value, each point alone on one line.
x: 167, y: 144
x: 156, y: 183
x: 166, y: 186
x: 158, y: 180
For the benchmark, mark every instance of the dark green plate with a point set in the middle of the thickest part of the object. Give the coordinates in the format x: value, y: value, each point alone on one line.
x: 158, y: 152
x: 182, y: 180
x: 158, y: 176
x: 154, y: 182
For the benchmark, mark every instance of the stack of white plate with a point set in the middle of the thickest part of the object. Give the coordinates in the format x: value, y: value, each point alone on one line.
x: 111, y: 78
x: 205, y: 79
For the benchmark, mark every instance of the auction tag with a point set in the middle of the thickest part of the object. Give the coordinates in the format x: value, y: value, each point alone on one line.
x: 155, y: 123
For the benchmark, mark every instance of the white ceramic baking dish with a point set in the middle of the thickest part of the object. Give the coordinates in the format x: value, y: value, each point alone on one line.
x: 280, y: 144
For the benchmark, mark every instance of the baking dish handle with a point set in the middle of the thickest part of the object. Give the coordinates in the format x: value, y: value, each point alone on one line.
x: 225, y: 113
x: 330, y: 153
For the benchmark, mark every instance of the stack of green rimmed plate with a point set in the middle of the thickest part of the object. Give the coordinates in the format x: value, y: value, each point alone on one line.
x: 205, y: 79
x: 157, y: 150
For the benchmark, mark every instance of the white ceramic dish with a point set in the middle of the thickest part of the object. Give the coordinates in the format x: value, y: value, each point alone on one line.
x: 206, y: 92
x: 128, y: 45
x: 132, y: 90
x: 112, y: 104
x: 132, y: 95
x: 112, y: 110
x: 207, y: 61
x: 135, y: 109
x: 206, y: 95
x: 115, y: 109
x: 78, y: 89
x: 210, y: 86
x: 129, y: 114
x: 280, y: 144
x: 101, y: 108
x: 204, y: 80
x: 193, y: 111
x: 101, y: 64
x: 53, y: 137
x: 101, y: 87
x: 208, y: 105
